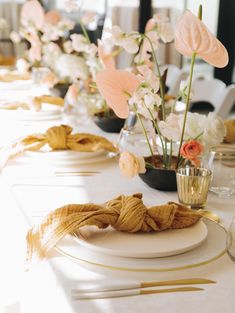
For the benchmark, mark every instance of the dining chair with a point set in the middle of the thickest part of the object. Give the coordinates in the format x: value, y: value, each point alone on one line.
x: 213, y: 92
x: 174, y: 77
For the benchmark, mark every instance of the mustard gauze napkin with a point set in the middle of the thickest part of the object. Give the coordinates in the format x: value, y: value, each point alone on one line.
x: 230, y: 131
x: 58, y: 138
x: 34, y: 104
x: 125, y: 213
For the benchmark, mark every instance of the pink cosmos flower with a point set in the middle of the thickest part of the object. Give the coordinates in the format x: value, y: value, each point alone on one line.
x: 35, y: 52
x: 52, y: 17
x: 131, y: 165
x: 117, y: 86
x: 106, y: 58
x: 32, y: 13
x: 192, y: 35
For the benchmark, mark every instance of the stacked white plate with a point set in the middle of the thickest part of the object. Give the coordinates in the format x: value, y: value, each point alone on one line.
x: 61, y: 158
x: 108, y: 250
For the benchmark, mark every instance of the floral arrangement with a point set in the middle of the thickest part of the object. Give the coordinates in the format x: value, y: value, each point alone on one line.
x: 68, y: 58
x: 183, y: 137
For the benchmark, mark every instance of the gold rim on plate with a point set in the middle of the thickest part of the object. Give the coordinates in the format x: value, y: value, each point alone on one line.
x: 129, y: 269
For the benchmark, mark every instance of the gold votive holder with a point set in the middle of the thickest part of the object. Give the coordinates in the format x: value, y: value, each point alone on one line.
x: 193, y: 186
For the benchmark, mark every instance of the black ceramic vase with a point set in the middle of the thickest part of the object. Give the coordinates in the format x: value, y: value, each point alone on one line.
x: 109, y: 124
x: 160, y: 179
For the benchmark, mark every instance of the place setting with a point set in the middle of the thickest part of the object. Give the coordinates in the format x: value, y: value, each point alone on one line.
x: 124, y: 183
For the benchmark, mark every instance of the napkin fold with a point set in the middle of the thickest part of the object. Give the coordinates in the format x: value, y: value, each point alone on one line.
x: 230, y: 131
x: 11, y: 77
x: 58, y: 138
x: 124, y: 213
x: 34, y: 103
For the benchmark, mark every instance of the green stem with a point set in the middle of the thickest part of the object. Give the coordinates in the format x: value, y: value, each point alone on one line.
x: 84, y: 31
x: 170, y: 155
x: 144, y: 130
x: 159, y: 133
x: 187, y: 102
x: 162, y: 92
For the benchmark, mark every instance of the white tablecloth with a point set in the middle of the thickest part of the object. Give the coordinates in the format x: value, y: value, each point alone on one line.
x: 27, y: 196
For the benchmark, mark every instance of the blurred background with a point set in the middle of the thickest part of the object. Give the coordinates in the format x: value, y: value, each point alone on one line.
x: 132, y: 15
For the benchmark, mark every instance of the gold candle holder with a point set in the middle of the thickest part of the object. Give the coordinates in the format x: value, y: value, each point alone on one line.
x: 192, y: 186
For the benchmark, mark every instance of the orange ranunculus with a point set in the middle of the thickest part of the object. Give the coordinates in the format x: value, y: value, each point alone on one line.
x: 131, y: 165
x: 116, y: 86
x: 190, y: 150
x: 192, y: 36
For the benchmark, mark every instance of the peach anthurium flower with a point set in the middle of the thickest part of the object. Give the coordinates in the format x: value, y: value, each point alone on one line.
x: 32, y: 13
x: 52, y: 17
x: 106, y: 58
x: 116, y: 86
x: 192, y: 36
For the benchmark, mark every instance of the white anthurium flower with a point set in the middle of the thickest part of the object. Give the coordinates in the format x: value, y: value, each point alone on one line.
x: 170, y: 128
x: 72, y: 67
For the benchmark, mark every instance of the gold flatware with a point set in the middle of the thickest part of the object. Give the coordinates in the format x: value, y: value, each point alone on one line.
x: 78, y: 173
x: 141, y: 285
x: 129, y: 292
x: 210, y: 215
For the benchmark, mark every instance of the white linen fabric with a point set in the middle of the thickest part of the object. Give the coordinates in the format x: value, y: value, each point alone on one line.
x: 27, y: 195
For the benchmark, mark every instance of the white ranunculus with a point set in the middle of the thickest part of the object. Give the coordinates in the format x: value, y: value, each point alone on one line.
x: 72, y: 67
x: 211, y: 128
x: 214, y: 130
x: 170, y: 128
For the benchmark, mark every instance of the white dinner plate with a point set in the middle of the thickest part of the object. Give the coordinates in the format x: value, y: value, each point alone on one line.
x: 212, y: 248
x: 143, y: 245
x: 60, y: 159
x: 30, y: 115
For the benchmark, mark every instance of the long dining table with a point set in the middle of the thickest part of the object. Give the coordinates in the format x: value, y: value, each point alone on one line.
x: 28, y: 194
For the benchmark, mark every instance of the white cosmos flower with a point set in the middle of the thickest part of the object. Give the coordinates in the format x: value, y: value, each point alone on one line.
x: 148, y: 76
x: 115, y: 36
x: 72, y: 67
x: 145, y: 100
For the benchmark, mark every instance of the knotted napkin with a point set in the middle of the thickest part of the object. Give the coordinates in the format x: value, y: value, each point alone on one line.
x: 35, y: 103
x: 230, y: 131
x: 57, y: 138
x: 124, y: 213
